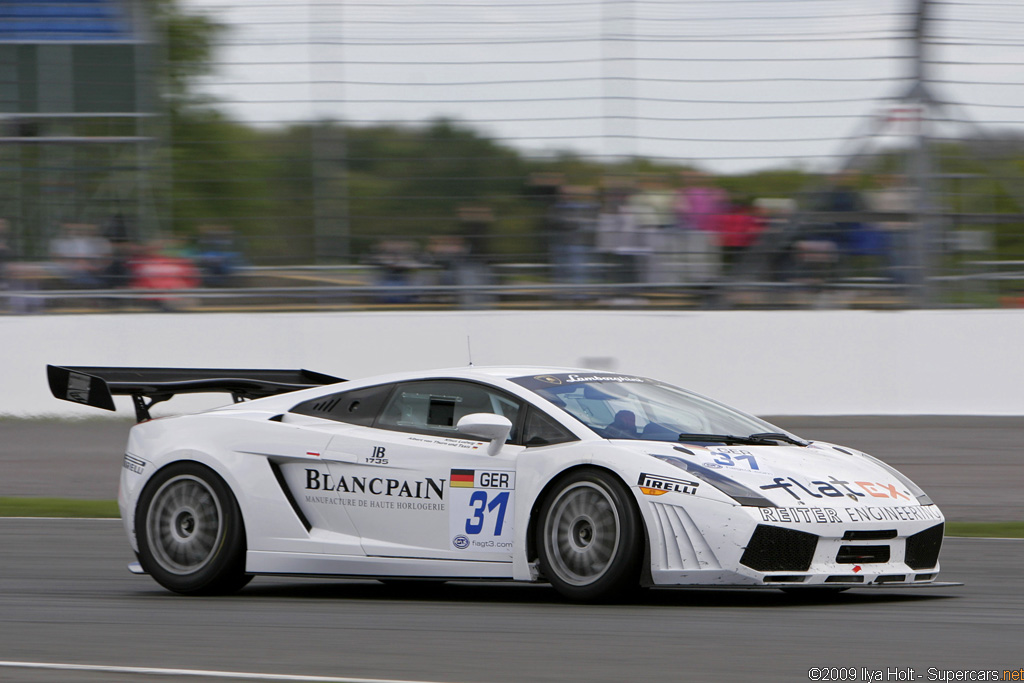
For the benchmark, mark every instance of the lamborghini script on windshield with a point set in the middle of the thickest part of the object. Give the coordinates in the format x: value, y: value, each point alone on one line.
x: 593, y: 482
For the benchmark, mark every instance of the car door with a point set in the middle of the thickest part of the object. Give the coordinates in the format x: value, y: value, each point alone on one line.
x: 419, y: 488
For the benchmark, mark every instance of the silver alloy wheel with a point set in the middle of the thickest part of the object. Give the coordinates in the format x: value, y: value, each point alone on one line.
x: 582, y: 533
x: 184, y: 525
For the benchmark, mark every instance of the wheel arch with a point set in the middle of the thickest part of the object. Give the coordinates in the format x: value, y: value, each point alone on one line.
x: 538, y: 501
x: 185, y: 456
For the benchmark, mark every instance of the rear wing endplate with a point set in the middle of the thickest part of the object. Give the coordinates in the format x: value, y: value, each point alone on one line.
x: 96, y: 386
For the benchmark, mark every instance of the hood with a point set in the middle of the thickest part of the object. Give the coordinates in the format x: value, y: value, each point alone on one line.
x: 818, y: 475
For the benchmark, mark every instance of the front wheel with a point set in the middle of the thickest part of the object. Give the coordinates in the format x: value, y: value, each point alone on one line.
x: 190, y: 532
x: 589, y: 537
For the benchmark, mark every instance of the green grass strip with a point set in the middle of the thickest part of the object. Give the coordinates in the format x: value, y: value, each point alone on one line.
x: 57, y: 507
x: 986, y: 529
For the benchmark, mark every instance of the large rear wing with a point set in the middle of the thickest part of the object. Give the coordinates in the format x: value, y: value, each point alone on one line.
x: 96, y: 386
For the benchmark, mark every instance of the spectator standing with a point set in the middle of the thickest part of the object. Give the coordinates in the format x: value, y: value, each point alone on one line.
x: 18, y: 279
x: 704, y: 204
x: 774, y: 245
x: 118, y: 273
x: 217, y: 255
x: 894, y: 195
x: 699, y: 207
x: 651, y: 208
x: 448, y: 254
x: 843, y: 197
x: 158, y: 266
x: 544, y: 190
x: 738, y: 230
x: 81, y: 255
x: 397, y: 262
x: 6, y: 252
x: 574, y: 223
x: 617, y: 239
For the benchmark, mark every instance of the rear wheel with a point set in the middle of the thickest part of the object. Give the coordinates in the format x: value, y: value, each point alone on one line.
x: 589, y: 537
x: 190, y: 533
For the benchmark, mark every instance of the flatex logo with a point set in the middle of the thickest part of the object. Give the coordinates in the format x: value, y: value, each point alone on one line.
x: 655, y: 485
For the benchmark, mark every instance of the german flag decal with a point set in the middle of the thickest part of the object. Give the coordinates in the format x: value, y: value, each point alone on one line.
x: 462, y: 479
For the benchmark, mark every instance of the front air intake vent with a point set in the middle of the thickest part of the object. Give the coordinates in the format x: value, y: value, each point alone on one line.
x: 863, y: 554
x: 923, y: 548
x: 843, y: 578
x: 773, y: 549
x: 891, y: 578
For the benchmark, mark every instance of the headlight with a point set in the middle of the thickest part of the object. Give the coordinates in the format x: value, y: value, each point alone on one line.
x: 735, y: 490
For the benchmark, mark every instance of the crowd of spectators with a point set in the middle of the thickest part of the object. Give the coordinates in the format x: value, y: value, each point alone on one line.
x: 86, y: 256
x: 691, y: 231
x: 649, y: 232
x: 686, y: 231
x: 460, y: 260
x: 637, y: 233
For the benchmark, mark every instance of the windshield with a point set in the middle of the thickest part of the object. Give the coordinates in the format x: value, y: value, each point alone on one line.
x: 629, y: 407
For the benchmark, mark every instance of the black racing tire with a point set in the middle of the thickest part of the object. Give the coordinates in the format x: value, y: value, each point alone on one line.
x: 589, y: 537
x: 190, y: 532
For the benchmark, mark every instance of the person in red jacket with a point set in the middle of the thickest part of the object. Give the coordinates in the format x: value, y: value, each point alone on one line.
x: 156, y: 267
x: 738, y: 229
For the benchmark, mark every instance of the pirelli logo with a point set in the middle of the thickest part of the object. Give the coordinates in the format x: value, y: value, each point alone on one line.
x: 134, y: 464
x: 654, y: 485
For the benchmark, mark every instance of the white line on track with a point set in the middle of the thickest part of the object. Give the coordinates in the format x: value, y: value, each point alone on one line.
x: 154, y: 671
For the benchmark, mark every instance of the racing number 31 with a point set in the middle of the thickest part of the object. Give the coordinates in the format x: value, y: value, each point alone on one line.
x: 478, y: 503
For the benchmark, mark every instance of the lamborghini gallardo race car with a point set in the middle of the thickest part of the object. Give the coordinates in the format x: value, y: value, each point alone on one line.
x: 594, y: 482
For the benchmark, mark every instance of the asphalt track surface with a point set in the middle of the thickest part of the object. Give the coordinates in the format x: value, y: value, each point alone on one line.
x: 66, y: 597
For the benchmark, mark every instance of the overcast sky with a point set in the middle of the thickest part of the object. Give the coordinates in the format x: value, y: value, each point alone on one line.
x: 730, y: 85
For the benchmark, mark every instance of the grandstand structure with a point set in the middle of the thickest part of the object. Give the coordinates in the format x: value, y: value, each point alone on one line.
x: 77, y: 103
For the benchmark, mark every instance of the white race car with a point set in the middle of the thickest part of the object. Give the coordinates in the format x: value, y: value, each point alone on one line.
x: 592, y: 481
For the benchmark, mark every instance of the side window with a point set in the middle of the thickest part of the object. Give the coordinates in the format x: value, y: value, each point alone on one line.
x: 541, y: 430
x: 436, y: 406
x: 359, y: 406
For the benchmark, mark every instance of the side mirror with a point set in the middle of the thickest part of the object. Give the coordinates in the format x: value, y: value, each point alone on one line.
x: 487, y: 426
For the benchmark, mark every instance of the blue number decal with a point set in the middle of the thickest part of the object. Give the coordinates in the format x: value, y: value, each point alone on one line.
x: 501, y: 502
x: 478, y: 501
x: 726, y: 460
x: 476, y: 523
x: 750, y: 461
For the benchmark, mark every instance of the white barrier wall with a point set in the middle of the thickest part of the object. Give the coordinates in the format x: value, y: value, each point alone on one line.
x: 768, y: 363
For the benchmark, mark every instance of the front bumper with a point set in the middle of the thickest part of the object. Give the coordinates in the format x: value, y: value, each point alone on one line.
x: 747, y: 549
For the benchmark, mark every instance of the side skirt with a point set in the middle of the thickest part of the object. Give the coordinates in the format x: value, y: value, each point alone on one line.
x: 264, y: 562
